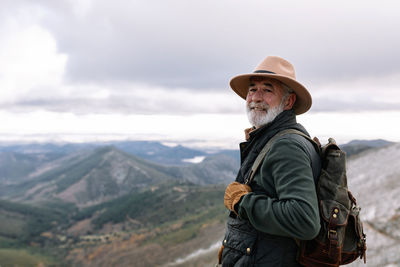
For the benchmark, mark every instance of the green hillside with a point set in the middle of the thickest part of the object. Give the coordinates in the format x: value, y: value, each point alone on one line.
x: 168, y: 214
x: 22, y: 242
x: 24, y: 258
x: 159, y: 204
x: 176, y: 218
x: 25, y: 223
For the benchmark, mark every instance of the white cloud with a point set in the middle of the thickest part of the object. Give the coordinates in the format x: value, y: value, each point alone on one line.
x: 212, y: 130
x: 84, y: 69
x: 359, y: 94
x: 188, y: 43
x: 29, y: 62
x: 135, y: 57
x: 81, y: 7
x: 346, y: 126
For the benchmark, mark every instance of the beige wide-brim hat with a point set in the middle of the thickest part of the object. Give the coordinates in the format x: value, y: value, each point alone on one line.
x: 281, y: 70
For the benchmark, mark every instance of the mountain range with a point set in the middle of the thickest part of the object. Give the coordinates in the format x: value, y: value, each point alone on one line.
x: 151, y: 150
x: 108, y: 204
x: 91, y: 176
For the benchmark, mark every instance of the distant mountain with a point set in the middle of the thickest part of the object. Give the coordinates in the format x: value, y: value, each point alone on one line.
x: 87, y: 177
x: 45, y: 148
x: 150, y: 150
x: 159, y: 153
x: 155, y: 151
x: 371, y: 143
x: 94, y: 176
x: 15, y: 166
x: 358, y: 146
x: 215, y: 169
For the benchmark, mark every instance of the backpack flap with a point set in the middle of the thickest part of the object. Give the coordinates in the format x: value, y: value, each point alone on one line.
x: 333, y: 212
x: 336, y: 217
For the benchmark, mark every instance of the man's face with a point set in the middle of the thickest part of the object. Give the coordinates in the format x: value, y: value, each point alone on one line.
x: 265, y: 90
x: 264, y: 100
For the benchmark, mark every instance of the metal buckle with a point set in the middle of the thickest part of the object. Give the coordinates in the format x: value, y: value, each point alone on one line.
x: 332, y: 232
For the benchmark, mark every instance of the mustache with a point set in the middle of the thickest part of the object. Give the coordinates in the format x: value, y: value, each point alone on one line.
x: 253, y: 105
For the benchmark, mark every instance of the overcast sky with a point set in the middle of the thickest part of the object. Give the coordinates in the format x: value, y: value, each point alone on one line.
x: 79, y: 70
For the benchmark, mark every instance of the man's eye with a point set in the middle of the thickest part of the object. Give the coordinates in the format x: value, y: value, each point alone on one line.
x: 267, y: 90
x: 252, y: 90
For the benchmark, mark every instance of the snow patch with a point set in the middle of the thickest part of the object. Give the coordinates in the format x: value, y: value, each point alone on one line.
x: 195, y: 254
x: 169, y: 144
x: 197, y: 159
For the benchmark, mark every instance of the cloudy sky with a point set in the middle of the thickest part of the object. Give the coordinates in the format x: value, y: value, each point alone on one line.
x: 85, y: 70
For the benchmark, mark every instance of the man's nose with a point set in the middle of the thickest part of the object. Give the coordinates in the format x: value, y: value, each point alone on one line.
x: 258, y: 96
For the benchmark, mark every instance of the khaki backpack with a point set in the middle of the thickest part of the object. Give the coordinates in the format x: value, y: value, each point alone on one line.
x: 341, y: 239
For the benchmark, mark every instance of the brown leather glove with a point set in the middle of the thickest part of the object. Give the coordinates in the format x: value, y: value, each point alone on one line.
x: 221, y: 249
x: 233, y: 193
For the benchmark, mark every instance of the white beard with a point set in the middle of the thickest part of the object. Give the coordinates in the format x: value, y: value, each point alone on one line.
x: 259, y: 118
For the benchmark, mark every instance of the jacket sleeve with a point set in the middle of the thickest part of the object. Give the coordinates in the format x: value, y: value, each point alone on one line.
x: 293, y: 212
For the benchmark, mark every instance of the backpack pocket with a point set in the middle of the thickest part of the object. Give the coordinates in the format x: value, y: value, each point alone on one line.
x: 326, y: 248
x: 355, y: 243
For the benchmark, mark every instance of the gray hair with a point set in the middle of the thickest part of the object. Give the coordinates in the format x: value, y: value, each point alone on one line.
x: 286, y: 92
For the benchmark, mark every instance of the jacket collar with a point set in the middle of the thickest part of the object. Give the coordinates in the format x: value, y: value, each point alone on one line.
x: 250, y: 149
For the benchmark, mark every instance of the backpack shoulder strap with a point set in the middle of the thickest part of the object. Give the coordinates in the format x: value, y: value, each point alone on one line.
x: 268, y: 146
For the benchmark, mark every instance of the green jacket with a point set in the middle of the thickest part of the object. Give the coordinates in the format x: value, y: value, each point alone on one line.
x: 284, y: 202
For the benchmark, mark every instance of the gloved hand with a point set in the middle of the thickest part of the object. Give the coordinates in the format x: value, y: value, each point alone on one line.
x: 221, y: 249
x: 233, y: 193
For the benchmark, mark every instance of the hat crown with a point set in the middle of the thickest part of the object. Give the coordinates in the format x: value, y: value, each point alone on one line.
x: 277, y: 65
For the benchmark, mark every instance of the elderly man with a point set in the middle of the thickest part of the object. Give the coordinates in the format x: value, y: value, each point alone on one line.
x: 280, y: 204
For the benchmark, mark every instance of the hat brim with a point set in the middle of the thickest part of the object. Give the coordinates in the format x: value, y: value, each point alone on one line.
x: 240, y: 84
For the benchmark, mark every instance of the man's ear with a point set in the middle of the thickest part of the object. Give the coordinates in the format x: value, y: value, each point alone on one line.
x: 290, y: 100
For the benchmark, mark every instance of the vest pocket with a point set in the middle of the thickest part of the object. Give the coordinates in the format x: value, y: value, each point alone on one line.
x: 239, y: 243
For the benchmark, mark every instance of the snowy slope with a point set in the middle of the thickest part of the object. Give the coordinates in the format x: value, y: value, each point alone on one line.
x: 374, y: 179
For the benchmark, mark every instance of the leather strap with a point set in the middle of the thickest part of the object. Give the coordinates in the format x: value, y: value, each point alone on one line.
x: 268, y: 146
